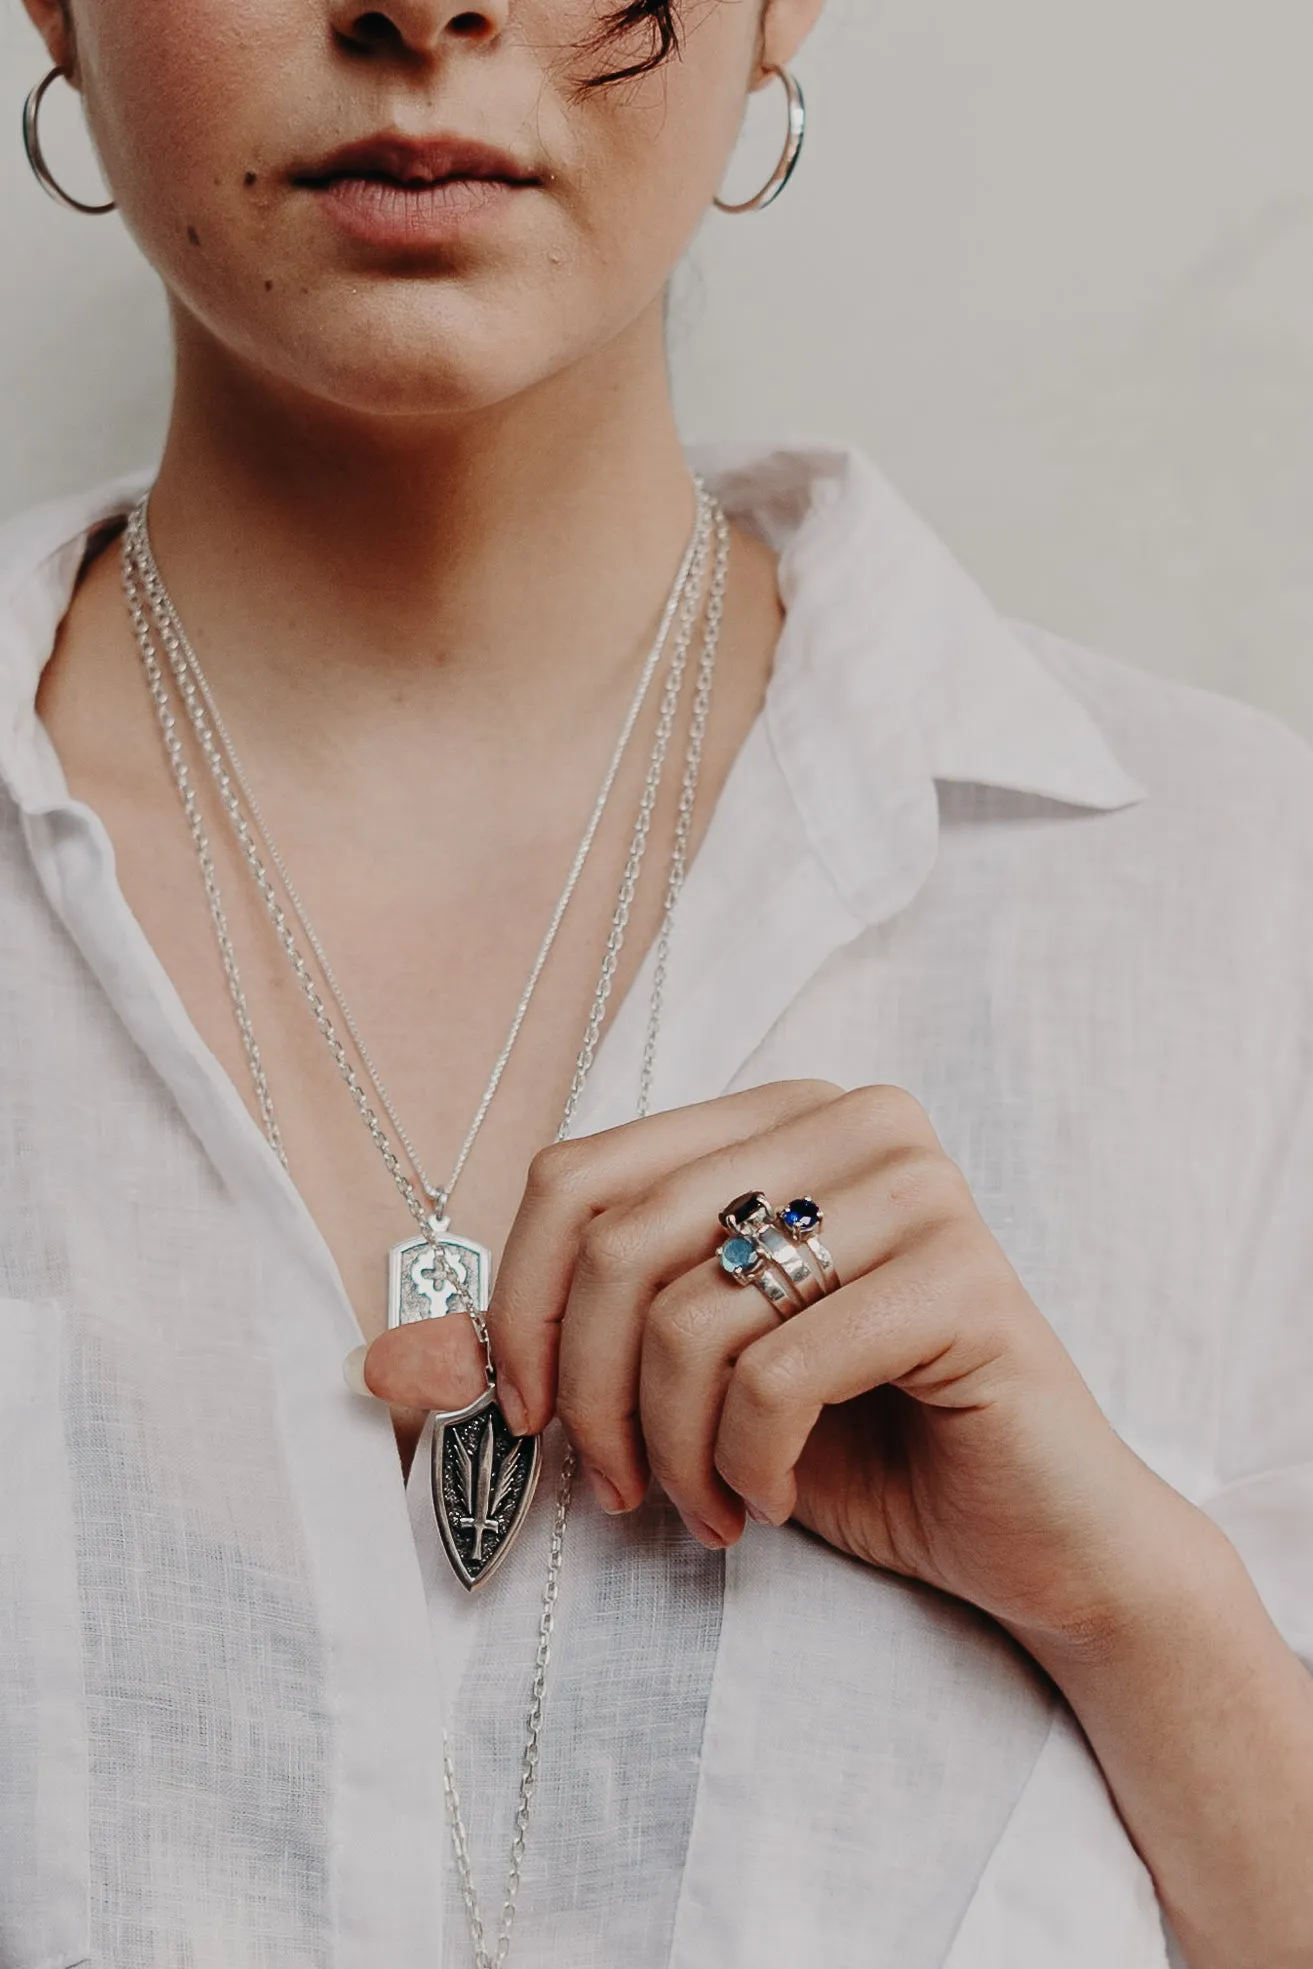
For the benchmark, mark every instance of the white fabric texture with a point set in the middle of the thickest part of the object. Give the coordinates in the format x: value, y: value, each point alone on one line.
x: 1070, y: 907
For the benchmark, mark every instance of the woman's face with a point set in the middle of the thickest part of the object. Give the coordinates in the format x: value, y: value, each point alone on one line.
x: 280, y: 163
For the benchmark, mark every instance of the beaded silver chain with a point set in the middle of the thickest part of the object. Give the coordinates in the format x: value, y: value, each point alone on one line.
x: 152, y: 613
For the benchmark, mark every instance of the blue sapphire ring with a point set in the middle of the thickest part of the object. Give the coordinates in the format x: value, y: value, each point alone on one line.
x: 801, y: 1220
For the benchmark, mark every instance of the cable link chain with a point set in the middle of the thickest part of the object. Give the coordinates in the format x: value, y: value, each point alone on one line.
x: 416, y: 1205
x: 440, y: 1198
x: 138, y: 562
x: 687, y: 802
x: 139, y: 573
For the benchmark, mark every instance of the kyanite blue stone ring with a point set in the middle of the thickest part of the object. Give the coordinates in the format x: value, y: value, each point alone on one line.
x: 747, y: 1264
x: 740, y: 1258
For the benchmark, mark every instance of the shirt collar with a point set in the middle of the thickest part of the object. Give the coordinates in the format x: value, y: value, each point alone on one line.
x: 893, y: 674
x: 895, y: 666
x: 887, y: 637
x: 40, y: 554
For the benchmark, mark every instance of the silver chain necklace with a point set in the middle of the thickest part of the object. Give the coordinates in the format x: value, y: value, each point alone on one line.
x: 139, y: 572
x: 440, y: 1197
x: 479, y: 1516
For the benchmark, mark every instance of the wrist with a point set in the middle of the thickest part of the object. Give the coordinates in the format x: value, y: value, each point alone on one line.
x: 1165, y: 1572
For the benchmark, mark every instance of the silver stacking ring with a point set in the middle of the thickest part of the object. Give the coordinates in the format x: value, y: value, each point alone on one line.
x: 742, y: 1261
x: 762, y: 1251
x: 801, y: 1220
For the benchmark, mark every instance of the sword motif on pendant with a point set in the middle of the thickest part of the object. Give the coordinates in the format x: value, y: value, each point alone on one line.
x: 483, y: 1483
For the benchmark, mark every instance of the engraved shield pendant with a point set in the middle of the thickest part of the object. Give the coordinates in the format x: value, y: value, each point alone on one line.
x: 484, y: 1479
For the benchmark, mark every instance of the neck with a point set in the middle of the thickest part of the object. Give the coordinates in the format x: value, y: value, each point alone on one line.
x: 523, y: 549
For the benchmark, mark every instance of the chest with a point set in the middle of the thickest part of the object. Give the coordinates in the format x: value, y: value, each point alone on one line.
x: 243, y: 1539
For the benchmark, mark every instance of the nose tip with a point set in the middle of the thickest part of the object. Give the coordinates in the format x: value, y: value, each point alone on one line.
x: 417, y: 27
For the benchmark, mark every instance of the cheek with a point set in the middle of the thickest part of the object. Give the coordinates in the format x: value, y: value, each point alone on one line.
x: 177, y: 94
x: 652, y: 163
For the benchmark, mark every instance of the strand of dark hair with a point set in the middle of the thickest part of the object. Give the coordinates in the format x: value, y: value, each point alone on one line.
x: 658, y: 18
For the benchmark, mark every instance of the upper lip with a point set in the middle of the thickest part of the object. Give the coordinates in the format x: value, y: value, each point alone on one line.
x: 416, y: 160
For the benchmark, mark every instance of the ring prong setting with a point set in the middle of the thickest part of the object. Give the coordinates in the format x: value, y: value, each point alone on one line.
x: 745, y: 1213
x: 740, y: 1259
x: 802, y: 1218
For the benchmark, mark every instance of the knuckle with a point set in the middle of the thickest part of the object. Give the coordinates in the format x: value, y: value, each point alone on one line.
x: 573, y: 1411
x: 581, y: 1416
x: 666, y: 1467
x: 813, y: 1093
x: 593, y: 1416
x: 923, y: 1182
x: 613, y: 1244
x: 767, y: 1378
x: 881, y: 1110
x: 558, y: 1171
x: 738, y: 1467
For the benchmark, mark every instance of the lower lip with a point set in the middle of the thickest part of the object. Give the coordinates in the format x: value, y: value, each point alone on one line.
x: 422, y: 216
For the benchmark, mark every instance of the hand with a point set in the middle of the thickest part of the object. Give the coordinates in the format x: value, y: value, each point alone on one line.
x: 924, y: 1418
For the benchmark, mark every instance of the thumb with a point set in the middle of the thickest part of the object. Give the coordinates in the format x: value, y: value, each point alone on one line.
x: 432, y: 1363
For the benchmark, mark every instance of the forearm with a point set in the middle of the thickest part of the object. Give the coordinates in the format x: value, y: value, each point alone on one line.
x: 1202, y: 1719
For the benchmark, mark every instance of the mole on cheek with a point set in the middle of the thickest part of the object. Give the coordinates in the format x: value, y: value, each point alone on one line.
x: 268, y: 287
x: 249, y: 179
x: 193, y: 236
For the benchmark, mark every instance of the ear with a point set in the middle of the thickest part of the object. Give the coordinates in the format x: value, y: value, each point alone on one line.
x: 52, y: 23
x: 785, y: 26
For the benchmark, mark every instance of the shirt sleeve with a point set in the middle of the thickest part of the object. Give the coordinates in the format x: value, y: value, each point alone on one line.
x: 1264, y: 1498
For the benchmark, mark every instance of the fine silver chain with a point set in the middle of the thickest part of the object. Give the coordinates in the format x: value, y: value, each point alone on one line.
x: 136, y: 577
x: 139, y: 570
x: 440, y: 1198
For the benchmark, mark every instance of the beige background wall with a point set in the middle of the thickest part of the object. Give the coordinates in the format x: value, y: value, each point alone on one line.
x: 1051, y: 261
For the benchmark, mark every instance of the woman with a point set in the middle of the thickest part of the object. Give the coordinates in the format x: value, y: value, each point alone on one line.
x: 898, y: 1598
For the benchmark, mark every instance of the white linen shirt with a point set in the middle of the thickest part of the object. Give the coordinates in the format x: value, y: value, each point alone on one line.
x: 1066, y: 904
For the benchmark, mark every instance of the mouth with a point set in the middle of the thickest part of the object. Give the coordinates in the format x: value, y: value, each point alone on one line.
x: 416, y: 168
x: 404, y: 197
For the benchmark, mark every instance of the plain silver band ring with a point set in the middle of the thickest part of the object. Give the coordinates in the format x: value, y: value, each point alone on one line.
x: 776, y: 1290
x: 36, y: 157
x: 784, y: 1253
x: 825, y: 1264
x: 772, y: 1284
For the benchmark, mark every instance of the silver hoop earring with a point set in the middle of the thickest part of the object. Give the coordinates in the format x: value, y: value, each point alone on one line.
x: 788, y: 163
x: 36, y: 156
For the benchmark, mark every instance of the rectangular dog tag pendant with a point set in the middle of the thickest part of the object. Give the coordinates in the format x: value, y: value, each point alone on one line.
x: 417, y: 1289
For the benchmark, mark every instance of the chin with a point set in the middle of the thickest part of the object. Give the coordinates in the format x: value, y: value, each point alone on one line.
x: 411, y: 354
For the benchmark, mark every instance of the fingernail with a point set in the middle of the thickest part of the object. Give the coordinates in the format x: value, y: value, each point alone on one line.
x: 511, y: 1403
x: 605, y: 1492
x: 353, y: 1373
x: 757, y: 1515
x: 704, y: 1533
